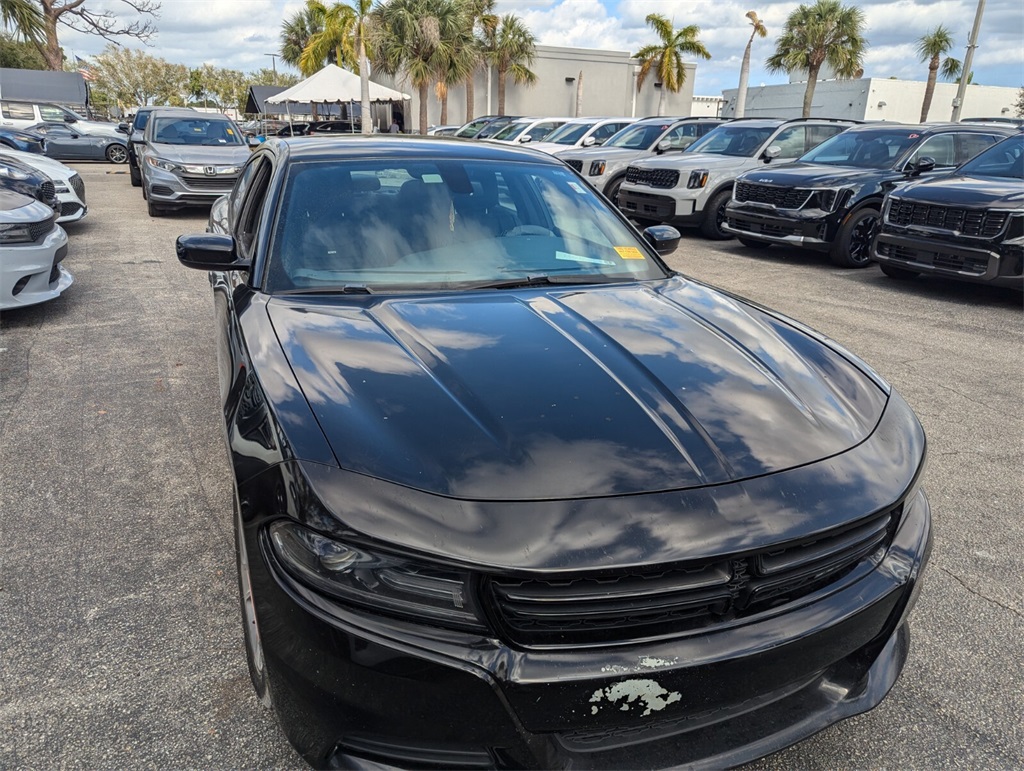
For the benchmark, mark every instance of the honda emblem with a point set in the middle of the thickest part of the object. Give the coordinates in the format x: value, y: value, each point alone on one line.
x: 211, y: 171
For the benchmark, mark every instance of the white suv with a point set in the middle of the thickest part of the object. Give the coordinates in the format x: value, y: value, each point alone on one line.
x: 22, y: 115
x: 693, y: 189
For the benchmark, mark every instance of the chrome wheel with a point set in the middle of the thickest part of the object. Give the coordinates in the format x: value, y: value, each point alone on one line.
x: 117, y: 154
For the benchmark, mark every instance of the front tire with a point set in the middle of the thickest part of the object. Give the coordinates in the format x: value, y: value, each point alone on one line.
x: 714, y: 216
x: 899, y: 273
x: 116, y: 153
x: 611, y: 192
x: 154, y: 210
x: 135, y: 174
x: 852, y: 247
x: 753, y: 243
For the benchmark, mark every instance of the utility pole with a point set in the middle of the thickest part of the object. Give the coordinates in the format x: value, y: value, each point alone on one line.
x: 965, y: 73
x: 273, y: 63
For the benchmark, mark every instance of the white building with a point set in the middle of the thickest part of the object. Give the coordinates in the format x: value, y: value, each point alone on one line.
x: 872, y: 99
x: 707, y: 106
x: 608, y: 83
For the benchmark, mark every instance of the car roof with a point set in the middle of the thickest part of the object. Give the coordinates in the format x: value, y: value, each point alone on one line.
x: 934, y: 128
x: 392, y: 147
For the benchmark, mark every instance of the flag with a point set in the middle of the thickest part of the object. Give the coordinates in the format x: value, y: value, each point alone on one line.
x: 83, y: 68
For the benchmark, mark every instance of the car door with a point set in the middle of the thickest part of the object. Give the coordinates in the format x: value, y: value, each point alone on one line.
x: 61, y: 141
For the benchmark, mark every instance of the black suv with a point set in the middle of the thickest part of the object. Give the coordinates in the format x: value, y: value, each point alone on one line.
x: 829, y: 199
x: 135, y: 131
x: 968, y: 226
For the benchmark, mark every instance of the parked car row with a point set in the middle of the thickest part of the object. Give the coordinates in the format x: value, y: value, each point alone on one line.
x: 823, y: 185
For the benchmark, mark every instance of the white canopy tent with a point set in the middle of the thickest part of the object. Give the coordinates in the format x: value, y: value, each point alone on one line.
x: 334, y: 85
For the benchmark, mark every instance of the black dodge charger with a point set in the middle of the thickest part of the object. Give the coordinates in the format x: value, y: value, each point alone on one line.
x: 510, y: 493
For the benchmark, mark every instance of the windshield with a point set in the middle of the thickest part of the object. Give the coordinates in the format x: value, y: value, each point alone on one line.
x: 1005, y: 159
x: 739, y: 141
x: 408, y: 224
x: 493, y: 128
x: 511, y: 131
x: 471, y: 129
x: 569, y: 133
x: 195, y: 131
x: 638, y: 137
x: 871, y: 149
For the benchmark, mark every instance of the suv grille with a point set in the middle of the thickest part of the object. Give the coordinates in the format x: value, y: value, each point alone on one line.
x: 39, y: 229
x: 621, y: 607
x: 578, y: 165
x: 78, y: 186
x: 47, y: 192
x: 221, y: 182
x: 969, y: 222
x: 652, y: 177
x: 780, y: 197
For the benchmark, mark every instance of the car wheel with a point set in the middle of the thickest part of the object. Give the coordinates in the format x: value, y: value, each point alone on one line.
x: 612, y: 191
x: 901, y: 273
x: 250, y: 625
x: 753, y: 243
x: 852, y: 247
x: 117, y: 153
x: 714, y: 216
x: 136, y: 176
x: 154, y: 210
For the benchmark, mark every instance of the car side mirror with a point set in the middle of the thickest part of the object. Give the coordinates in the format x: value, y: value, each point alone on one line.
x: 525, y: 138
x: 70, y: 119
x: 772, y: 152
x: 124, y: 128
x: 663, y: 147
x: 253, y: 141
x: 209, y: 251
x: 924, y: 164
x: 589, y: 142
x: 663, y: 238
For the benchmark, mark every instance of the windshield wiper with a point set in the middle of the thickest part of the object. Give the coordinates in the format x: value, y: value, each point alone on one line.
x: 546, y: 279
x: 336, y: 289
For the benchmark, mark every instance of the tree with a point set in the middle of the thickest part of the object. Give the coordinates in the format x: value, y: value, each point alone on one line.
x: 460, y: 67
x: 759, y: 30
x: 271, y: 77
x: 483, y: 26
x: 931, y: 48
x: 1020, y: 103
x: 74, y: 14
x: 511, y: 53
x: 666, y: 57
x: 133, y: 77
x: 23, y: 18
x: 419, y: 39
x: 826, y: 32
x: 295, y: 35
x: 19, y: 54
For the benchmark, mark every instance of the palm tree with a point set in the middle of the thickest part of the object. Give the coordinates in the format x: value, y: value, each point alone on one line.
x: 826, y: 32
x: 759, y: 30
x: 295, y: 35
x: 460, y: 68
x: 511, y: 52
x: 418, y: 38
x: 23, y: 18
x: 666, y: 57
x: 931, y: 48
x: 483, y: 23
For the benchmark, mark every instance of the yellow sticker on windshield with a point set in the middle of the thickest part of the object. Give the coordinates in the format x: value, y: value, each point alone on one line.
x: 231, y: 133
x: 629, y: 253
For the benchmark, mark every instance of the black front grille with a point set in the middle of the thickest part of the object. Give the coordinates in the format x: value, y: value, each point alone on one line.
x: 161, y: 190
x: 78, y: 186
x: 780, y: 197
x: 663, y: 178
x: 969, y: 222
x: 578, y: 165
x: 69, y: 208
x: 632, y: 606
x: 47, y: 192
x: 974, y: 264
x: 39, y: 229
x: 220, y: 183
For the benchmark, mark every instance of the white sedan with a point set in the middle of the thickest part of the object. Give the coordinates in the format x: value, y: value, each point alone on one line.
x: 68, y: 183
x: 32, y: 246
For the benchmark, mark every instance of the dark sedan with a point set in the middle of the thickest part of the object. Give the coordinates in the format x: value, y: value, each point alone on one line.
x: 26, y: 140
x: 66, y: 143
x: 509, y: 493
x: 968, y: 226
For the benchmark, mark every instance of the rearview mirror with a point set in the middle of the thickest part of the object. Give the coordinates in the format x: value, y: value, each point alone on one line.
x: 589, y: 142
x: 772, y: 152
x: 663, y: 238
x: 209, y: 251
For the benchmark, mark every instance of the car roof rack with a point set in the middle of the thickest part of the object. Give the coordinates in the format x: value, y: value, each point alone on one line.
x: 827, y: 120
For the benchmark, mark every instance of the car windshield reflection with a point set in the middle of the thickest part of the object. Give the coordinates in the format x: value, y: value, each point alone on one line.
x: 367, y: 226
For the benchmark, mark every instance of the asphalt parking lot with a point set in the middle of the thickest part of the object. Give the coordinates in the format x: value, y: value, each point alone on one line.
x: 120, y: 641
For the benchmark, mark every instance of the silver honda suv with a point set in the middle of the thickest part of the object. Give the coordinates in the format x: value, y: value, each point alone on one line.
x: 694, y: 188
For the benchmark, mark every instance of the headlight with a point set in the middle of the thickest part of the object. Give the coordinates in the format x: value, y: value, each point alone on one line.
x: 596, y: 169
x: 824, y: 200
x: 376, y: 582
x: 160, y: 163
x: 24, y: 138
x: 15, y: 234
x: 698, y: 178
x: 8, y: 172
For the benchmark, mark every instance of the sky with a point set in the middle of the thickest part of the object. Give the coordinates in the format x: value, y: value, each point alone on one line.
x: 239, y: 34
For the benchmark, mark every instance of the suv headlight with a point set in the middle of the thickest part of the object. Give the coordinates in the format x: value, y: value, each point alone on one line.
x: 698, y: 179
x: 376, y: 582
x: 60, y: 187
x: 160, y: 163
x: 596, y: 169
x: 15, y: 234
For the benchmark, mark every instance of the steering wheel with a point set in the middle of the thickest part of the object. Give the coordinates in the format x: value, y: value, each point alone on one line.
x: 527, y: 230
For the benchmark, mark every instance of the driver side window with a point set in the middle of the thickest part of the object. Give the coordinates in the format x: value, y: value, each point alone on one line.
x: 51, y: 113
x: 941, y: 147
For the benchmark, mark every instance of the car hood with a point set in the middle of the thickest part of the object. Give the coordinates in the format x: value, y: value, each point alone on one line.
x: 600, y: 153
x: 694, y: 161
x: 966, y: 191
x: 548, y: 147
x: 199, y: 154
x: 815, y: 175
x: 51, y: 168
x: 544, y: 394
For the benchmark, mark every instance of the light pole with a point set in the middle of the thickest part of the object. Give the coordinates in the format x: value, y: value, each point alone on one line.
x: 965, y: 73
x: 273, y: 63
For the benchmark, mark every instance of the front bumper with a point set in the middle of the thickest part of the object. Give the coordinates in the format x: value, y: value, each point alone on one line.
x: 171, y: 191
x: 659, y: 208
x: 32, y: 273
x: 1001, y: 264
x: 359, y: 691
x: 810, y: 229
